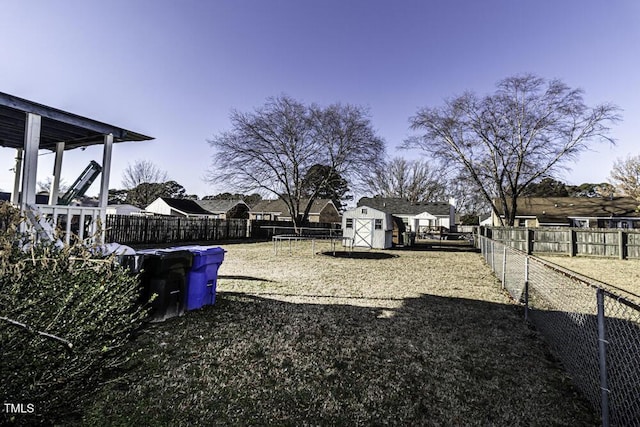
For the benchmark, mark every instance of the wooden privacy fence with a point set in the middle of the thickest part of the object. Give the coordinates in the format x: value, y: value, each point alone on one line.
x: 604, y: 242
x: 266, y: 229
x: 130, y: 229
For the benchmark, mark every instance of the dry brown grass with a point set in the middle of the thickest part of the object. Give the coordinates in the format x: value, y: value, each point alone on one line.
x: 424, y: 338
x: 622, y: 274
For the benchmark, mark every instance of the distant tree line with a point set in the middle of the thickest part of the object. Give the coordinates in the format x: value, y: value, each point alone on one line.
x: 486, y: 152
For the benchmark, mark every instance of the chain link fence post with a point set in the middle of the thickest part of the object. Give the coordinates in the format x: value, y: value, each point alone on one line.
x: 493, y: 251
x: 526, y: 289
x: 504, y: 267
x: 602, y: 356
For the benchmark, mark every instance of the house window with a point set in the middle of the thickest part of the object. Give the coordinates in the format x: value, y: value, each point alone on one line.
x: 364, y: 211
x: 378, y: 224
x: 349, y: 223
x: 258, y: 217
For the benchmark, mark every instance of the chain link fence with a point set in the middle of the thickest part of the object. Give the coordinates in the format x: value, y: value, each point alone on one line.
x: 592, y: 331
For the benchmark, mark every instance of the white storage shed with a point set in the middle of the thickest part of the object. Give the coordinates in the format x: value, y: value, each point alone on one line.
x: 368, y: 227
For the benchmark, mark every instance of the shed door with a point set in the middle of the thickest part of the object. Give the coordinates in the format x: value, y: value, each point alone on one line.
x: 363, y: 235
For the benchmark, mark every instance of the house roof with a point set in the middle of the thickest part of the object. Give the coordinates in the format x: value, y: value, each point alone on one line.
x: 56, y: 126
x: 219, y: 206
x: 559, y: 209
x: 397, y: 206
x: 279, y: 207
x: 186, y: 206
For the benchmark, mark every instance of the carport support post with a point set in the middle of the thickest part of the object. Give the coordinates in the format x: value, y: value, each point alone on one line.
x: 104, y: 183
x: 602, y: 358
x: 18, y: 174
x: 57, y: 168
x: 31, y: 145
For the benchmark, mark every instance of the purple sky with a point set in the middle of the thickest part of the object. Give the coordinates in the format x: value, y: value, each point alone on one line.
x: 174, y: 69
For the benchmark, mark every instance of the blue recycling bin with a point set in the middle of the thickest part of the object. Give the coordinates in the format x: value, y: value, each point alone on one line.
x: 164, y: 273
x: 202, y: 278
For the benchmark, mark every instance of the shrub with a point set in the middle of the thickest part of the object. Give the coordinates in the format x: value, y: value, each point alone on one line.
x: 66, y: 317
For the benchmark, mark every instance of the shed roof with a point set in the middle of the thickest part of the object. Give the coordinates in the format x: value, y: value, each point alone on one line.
x: 56, y: 126
x: 397, y: 206
x: 219, y: 206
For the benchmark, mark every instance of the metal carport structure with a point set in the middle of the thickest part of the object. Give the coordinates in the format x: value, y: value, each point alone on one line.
x: 28, y: 127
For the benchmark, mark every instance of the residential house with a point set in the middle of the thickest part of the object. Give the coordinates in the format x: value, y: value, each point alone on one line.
x: 589, y: 212
x: 224, y: 209
x: 177, y: 207
x: 322, y: 210
x: 124, y: 209
x: 417, y: 217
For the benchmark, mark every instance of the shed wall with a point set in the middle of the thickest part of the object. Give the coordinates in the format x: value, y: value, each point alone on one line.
x: 381, y: 238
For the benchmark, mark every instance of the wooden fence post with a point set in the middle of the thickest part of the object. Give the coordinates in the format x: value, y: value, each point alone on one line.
x: 622, y: 244
x: 573, y: 243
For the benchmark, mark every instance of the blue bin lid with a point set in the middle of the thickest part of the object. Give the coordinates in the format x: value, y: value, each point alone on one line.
x: 201, y: 250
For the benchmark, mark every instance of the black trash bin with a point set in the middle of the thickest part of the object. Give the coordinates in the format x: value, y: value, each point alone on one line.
x: 164, y: 273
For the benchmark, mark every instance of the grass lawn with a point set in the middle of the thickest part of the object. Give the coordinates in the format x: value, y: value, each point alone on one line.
x: 421, y: 338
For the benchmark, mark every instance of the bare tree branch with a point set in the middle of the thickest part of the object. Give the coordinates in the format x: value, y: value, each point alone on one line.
x: 414, y: 180
x: 142, y: 172
x: 527, y: 130
x: 625, y: 176
x: 272, y: 150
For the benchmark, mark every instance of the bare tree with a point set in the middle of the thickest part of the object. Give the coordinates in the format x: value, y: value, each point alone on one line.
x: 625, y: 176
x: 142, y: 172
x: 467, y: 196
x: 414, y: 180
x: 45, y: 186
x: 143, y: 194
x: 272, y: 149
x: 527, y: 130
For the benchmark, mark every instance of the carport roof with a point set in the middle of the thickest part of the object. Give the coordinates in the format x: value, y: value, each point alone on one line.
x: 56, y: 126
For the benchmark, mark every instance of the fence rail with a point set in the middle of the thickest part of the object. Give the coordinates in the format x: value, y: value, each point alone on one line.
x: 594, y: 332
x: 131, y: 230
x: 604, y: 242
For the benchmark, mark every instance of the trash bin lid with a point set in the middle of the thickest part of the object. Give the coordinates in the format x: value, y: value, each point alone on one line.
x: 204, y: 255
x: 199, y: 249
x: 168, y: 257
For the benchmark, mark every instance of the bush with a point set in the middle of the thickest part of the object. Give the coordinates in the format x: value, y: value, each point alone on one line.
x: 66, y: 317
